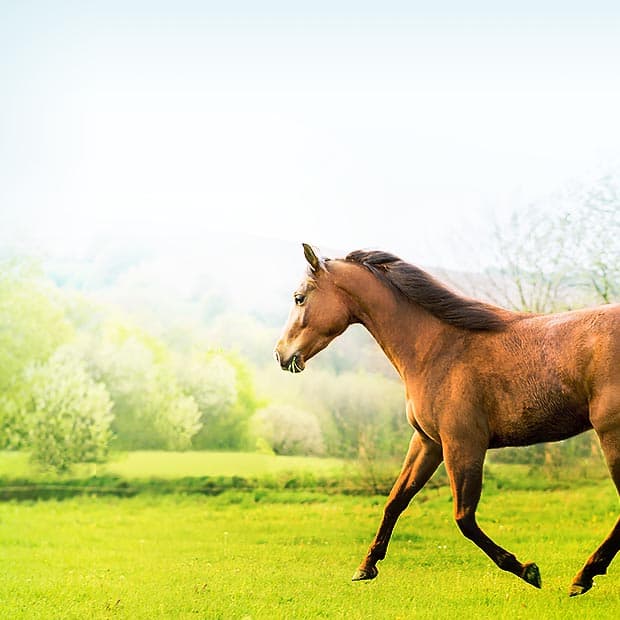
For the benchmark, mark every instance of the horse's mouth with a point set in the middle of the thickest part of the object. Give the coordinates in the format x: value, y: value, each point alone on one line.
x: 296, y: 364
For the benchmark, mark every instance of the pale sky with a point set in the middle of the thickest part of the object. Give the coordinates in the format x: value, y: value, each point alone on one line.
x: 344, y: 124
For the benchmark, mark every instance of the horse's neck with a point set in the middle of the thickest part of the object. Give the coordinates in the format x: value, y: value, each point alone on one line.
x: 403, y: 330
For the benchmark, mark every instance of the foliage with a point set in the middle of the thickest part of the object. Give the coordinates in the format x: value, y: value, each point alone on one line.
x: 68, y: 420
x: 534, y: 251
x: 222, y: 387
x: 289, y: 430
x: 161, y: 398
x: 548, y: 260
x: 32, y: 322
x: 32, y: 327
x: 597, y: 235
x: 150, y: 408
x: 361, y: 413
x: 171, y: 387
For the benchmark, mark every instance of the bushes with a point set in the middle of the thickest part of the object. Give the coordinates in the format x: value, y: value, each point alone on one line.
x: 150, y: 409
x: 68, y: 419
x: 202, y: 399
x: 358, y: 412
x: 32, y: 327
x: 288, y: 430
x: 222, y: 385
x: 67, y: 364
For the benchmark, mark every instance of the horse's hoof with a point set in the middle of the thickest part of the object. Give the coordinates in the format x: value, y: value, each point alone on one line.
x: 577, y: 589
x: 531, y: 574
x: 364, y: 574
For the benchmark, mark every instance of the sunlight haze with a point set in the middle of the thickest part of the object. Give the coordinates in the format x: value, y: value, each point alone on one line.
x: 343, y: 124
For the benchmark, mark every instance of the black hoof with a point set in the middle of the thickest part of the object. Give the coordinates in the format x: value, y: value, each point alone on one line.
x: 577, y: 589
x: 531, y: 574
x: 364, y: 574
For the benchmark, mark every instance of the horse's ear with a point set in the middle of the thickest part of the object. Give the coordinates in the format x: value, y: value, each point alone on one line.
x: 314, y: 261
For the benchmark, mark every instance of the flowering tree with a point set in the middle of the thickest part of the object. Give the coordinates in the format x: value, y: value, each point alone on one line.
x: 288, y: 430
x: 151, y: 410
x: 69, y: 414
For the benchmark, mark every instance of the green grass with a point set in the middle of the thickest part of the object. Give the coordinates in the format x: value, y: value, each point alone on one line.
x: 290, y: 555
x: 174, y: 465
x: 247, y: 464
x: 156, y: 464
x: 184, y: 472
x: 265, y: 553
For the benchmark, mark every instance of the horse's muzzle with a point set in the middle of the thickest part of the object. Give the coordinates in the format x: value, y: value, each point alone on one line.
x: 296, y: 364
x: 293, y: 364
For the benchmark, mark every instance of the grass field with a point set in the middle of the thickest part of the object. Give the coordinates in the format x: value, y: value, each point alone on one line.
x: 176, y: 465
x: 291, y: 554
x: 146, y: 464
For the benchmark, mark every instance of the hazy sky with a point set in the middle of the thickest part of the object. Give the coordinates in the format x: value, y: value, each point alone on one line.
x: 346, y: 124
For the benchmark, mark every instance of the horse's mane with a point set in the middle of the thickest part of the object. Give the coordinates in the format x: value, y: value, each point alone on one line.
x: 421, y: 288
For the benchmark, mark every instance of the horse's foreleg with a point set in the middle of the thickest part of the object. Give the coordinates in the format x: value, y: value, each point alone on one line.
x: 599, y: 561
x: 423, y: 458
x: 465, y: 473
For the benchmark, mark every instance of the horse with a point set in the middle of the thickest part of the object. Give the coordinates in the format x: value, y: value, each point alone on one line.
x: 476, y: 377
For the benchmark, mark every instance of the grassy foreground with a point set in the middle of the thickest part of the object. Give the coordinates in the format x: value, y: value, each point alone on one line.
x: 290, y: 554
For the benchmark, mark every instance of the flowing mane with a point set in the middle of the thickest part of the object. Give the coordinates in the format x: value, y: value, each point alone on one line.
x: 421, y: 288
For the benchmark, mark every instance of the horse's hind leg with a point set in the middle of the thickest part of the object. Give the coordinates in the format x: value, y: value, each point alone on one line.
x: 598, y: 562
x: 423, y: 458
x: 464, y: 466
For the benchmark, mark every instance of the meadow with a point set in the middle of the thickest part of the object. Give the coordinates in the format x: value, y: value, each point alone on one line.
x: 271, y: 553
x: 165, y: 464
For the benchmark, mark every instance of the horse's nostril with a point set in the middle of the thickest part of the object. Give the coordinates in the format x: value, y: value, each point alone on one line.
x: 276, y: 356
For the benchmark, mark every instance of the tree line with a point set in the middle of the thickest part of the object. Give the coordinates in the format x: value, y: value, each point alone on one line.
x: 79, y: 378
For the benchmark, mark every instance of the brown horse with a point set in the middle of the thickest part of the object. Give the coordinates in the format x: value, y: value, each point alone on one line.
x: 476, y: 377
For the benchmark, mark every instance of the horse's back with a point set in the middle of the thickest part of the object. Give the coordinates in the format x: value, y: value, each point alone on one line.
x: 552, y: 368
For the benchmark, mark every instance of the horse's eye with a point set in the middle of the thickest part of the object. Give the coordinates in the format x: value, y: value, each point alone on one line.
x: 299, y: 299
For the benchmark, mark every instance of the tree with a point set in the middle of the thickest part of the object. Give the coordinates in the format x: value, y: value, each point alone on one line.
x: 221, y: 384
x: 567, y: 256
x: 69, y: 414
x: 597, y: 235
x: 359, y: 412
x: 151, y: 411
x: 32, y: 326
x: 288, y: 430
x: 534, y: 264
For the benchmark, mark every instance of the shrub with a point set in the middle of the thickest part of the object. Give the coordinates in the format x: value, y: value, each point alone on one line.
x: 68, y: 419
x: 288, y: 430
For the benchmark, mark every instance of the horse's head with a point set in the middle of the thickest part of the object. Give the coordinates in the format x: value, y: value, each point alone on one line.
x: 319, y: 314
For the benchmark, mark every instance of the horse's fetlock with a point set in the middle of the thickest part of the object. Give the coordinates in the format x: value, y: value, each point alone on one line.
x: 376, y: 553
x: 507, y: 561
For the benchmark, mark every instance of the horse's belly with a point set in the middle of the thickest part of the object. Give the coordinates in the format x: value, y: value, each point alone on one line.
x: 536, y: 426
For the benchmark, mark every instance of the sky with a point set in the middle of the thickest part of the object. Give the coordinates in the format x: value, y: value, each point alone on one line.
x: 396, y: 125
